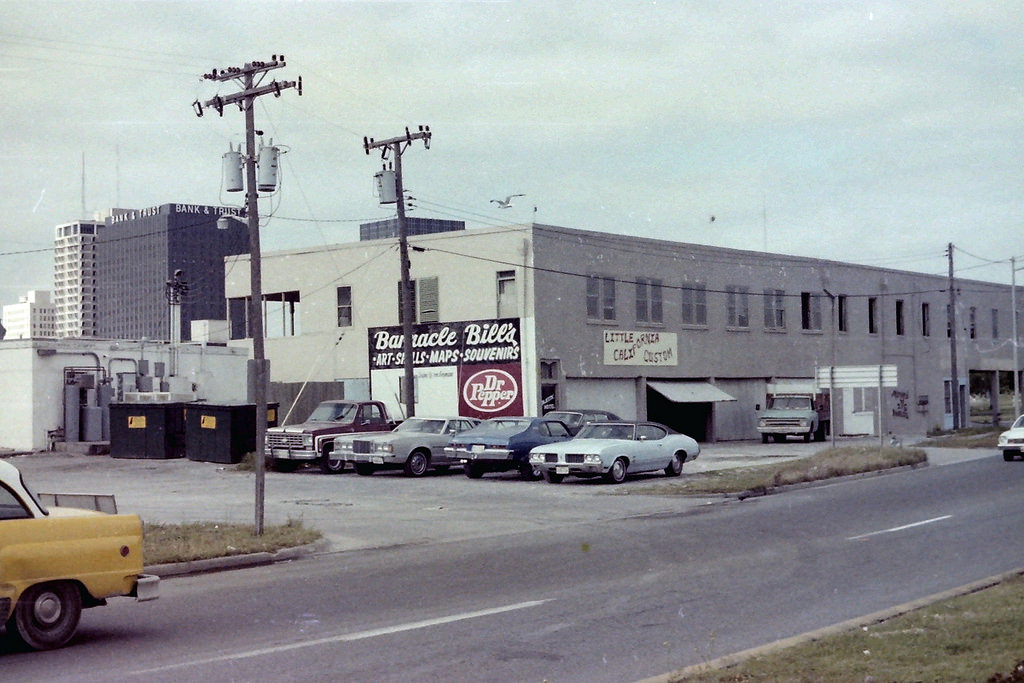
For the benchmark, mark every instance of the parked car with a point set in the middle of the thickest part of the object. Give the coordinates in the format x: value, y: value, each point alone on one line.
x: 613, y: 449
x: 502, y: 444
x: 414, y: 446
x: 1012, y: 440
x: 575, y: 419
x: 56, y: 561
x: 313, y: 440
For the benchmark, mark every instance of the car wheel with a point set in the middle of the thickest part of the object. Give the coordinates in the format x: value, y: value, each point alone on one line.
x: 530, y: 473
x: 764, y: 438
x: 281, y: 465
x: 416, y: 464
x: 329, y: 464
x: 616, y: 474
x: 364, y: 468
x: 553, y: 478
x: 473, y: 471
x: 675, y: 467
x: 46, y: 615
x: 807, y: 437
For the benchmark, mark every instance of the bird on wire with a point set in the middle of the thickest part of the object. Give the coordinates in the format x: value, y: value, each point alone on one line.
x: 506, y: 203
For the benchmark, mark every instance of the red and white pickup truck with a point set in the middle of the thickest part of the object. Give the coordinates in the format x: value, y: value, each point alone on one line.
x: 313, y: 440
x: 55, y: 561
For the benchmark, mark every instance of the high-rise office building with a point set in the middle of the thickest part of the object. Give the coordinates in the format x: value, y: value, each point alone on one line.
x: 31, y: 318
x: 138, y: 253
x: 74, y: 278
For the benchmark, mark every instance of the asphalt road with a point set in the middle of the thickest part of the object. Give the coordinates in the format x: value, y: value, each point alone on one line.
x: 613, y: 598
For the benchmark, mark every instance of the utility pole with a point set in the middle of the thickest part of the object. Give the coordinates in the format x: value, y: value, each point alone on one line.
x: 245, y: 99
x: 173, y: 289
x: 954, y: 393
x: 396, y: 146
x: 1016, y: 337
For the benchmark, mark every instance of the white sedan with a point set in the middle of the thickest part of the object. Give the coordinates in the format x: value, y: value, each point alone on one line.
x: 613, y: 449
x: 1011, y: 442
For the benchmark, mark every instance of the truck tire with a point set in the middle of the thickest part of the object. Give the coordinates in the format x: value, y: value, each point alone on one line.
x: 329, y: 465
x: 764, y: 438
x: 807, y: 436
x: 46, y: 615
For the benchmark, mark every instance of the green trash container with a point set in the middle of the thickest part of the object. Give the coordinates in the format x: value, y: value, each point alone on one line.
x: 151, y: 430
x: 221, y: 432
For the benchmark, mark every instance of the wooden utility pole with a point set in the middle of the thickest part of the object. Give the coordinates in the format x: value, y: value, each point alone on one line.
x: 396, y: 146
x: 954, y: 393
x: 245, y: 98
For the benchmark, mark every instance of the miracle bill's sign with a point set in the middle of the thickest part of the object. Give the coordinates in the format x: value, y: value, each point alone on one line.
x: 487, y: 355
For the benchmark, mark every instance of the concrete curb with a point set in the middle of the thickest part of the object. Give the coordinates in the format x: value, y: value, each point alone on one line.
x: 754, y: 493
x: 842, y: 627
x: 216, y: 564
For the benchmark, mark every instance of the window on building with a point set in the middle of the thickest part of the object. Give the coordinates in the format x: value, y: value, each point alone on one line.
x: 995, y: 323
x: 972, y: 322
x: 926, y: 320
x: 425, y: 302
x: 648, y: 300
x: 508, y: 298
x: 810, y: 311
x: 600, y: 298
x: 873, y: 315
x: 281, y: 314
x: 842, y: 313
x: 774, y: 309
x: 900, y: 331
x: 695, y: 304
x: 737, y: 306
x: 344, y: 306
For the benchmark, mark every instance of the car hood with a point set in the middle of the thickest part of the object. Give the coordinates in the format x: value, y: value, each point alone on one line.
x: 1016, y: 433
x: 584, y: 445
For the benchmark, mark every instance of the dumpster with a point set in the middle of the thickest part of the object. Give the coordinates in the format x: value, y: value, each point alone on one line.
x: 224, y: 433
x: 154, y: 430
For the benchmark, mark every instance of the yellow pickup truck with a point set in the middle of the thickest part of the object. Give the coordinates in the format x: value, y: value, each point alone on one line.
x: 55, y: 561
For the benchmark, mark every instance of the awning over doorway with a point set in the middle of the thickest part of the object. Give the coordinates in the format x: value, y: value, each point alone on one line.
x: 690, y: 391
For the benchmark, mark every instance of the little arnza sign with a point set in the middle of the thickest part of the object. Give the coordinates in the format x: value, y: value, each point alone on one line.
x: 624, y: 347
x: 475, y: 366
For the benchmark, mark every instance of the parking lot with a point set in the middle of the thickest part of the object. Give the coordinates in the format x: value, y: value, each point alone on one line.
x: 385, y: 509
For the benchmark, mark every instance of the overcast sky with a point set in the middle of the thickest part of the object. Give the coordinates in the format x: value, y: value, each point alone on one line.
x: 871, y: 132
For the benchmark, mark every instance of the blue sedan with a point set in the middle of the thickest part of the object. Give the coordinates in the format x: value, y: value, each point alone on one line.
x: 502, y: 444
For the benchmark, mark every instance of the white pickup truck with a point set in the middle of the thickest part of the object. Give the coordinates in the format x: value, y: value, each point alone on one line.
x: 55, y: 561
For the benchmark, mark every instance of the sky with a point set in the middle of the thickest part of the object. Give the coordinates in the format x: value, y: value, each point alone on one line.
x: 867, y: 132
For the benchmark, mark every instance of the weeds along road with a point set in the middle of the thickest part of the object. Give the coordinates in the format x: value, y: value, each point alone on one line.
x: 612, y: 600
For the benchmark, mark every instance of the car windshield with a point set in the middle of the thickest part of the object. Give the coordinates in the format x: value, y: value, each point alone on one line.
x: 791, y: 403
x: 501, y: 426
x: 567, y: 418
x: 421, y: 425
x: 1019, y: 424
x: 334, y: 412
x: 607, y: 430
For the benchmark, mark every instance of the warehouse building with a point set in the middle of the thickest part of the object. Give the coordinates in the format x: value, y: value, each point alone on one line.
x: 523, y: 319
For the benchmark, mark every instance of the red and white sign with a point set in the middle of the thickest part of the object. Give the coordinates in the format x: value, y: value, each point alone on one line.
x: 491, y: 392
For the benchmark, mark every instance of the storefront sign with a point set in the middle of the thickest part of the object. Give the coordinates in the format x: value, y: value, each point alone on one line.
x: 476, y: 367
x: 456, y: 343
x: 623, y: 347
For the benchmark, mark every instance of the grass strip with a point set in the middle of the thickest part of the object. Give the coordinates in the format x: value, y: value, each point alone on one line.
x: 973, y: 637
x: 825, y: 464
x: 164, y: 543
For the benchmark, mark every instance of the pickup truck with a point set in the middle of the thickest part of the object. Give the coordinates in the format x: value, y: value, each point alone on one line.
x: 806, y: 415
x: 56, y: 561
x: 313, y: 440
